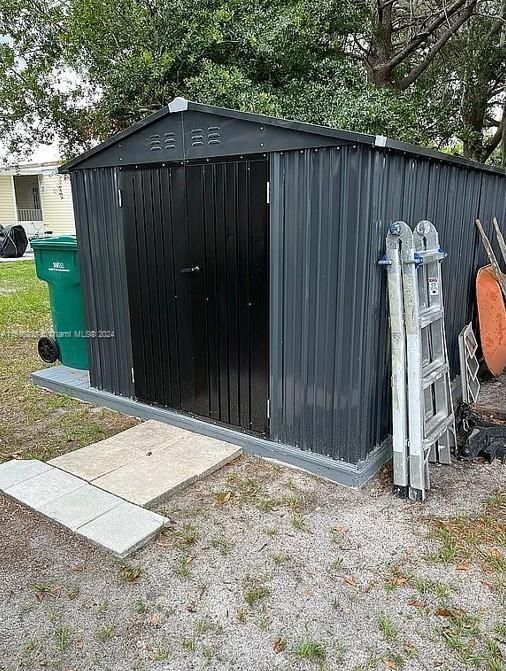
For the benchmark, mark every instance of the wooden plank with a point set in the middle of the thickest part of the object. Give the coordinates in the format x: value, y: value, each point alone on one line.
x: 491, y: 257
x: 500, y: 239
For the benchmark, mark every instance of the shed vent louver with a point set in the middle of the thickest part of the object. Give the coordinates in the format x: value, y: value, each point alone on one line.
x: 197, y: 137
x: 155, y: 143
x: 169, y: 141
x: 213, y: 135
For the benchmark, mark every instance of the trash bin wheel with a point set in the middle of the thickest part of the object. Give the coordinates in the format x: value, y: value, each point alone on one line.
x: 48, y: 349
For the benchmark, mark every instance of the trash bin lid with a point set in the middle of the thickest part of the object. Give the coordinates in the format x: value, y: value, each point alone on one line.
x: 55, y: 242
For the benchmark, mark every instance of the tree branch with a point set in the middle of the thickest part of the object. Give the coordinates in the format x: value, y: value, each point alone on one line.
x: 436, y: 47
x: 494, y: 141
x: 420, y: 38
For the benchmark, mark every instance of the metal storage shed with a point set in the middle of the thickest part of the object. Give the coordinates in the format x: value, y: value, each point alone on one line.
x: 234, y: 259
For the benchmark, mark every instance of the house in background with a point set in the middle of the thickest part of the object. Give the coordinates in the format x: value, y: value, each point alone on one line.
x: 36, y: 197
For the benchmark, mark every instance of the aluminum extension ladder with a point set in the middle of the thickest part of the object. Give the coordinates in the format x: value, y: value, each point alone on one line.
x: 423, y: 419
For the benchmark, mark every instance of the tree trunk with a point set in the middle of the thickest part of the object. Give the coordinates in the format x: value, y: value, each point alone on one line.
x: 381, y: 49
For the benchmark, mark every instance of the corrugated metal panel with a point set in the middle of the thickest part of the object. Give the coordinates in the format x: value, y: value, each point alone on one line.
x: 103, y: 270
x: 330, y: 380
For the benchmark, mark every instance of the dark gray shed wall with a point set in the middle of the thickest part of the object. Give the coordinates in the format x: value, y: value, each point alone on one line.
x: 103, y: 273
x: 330, y: 211
x: 330, y: 208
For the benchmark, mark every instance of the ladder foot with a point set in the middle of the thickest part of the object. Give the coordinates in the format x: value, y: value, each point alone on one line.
x: 417, y: 495
x: 401, y: 491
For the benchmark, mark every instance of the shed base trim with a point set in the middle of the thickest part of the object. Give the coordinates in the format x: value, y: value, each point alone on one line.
x: 75, y: 383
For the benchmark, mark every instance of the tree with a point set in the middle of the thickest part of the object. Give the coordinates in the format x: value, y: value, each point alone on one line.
x: 479, y: 57
x: 83, y: 69
x: 456, y: 51
x: 406, y: 36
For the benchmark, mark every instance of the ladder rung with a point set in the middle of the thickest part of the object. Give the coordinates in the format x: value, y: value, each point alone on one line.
x: 436, y: 427
x: 430, y: 315
x: 430, y: 255
x: 433, y: 371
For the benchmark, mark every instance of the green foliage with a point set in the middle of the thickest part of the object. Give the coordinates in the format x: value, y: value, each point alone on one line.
x: 80, y: 70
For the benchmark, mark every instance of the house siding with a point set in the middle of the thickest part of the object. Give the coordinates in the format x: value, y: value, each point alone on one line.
x: 7, y: 206
x: 56, y: 202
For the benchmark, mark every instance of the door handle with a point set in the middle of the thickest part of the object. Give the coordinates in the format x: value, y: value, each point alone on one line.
x: 191, y: 269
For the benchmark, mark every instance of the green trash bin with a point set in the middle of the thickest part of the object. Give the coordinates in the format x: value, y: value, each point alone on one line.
x: 56, y: 263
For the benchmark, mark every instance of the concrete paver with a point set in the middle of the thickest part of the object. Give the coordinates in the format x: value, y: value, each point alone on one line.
x: 98, y: 459
x: 168, y: 470
x: 98, y: 491
x: 123, y: 529
x: 43, y: 488
x: 16, y: 470
x: 81, y: 506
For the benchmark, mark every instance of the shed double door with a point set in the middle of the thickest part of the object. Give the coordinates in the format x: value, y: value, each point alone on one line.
x: 197, y: 246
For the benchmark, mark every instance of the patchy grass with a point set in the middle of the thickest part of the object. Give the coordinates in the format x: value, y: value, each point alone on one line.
x: 141, y: 607
x: 336, y: 565
x: 425, y: 586
x: 395, y: 578
x: 242, y: 615
x: 207, y: 625
x: 370, y: 665
x: 479, y: 538
x: 35, y: 423
x: 299, y: 523
x: 186, y: 536
x: 162, y: 654
x: 43, y: 590
x: 271, y: 532
x: 281, y: 558
x: 310, y: 651
x: 73, y: 592
x: 189, y: 644
x: 223, y: 546
x: 286, y: 585
x: 105, y: 632
x: 63, y: 637
x: 464, y: 636
x: 253, y: 491
x: 32, y: 645
x: 394, y: 660
x: 182, y: 566
x: 387, y: 627
x: 130, y: 572
x: 255, y: 591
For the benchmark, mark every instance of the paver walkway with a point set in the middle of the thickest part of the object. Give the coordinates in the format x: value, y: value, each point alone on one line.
x: 100, y: 517
x: 100, y: 491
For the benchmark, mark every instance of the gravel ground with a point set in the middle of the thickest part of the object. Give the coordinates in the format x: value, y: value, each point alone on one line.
x: 268, y: 568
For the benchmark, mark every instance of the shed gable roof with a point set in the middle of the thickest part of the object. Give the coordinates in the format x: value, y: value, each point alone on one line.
x: 185, y: 130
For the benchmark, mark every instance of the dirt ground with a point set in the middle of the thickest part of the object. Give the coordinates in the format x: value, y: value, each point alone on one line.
x: 265, y: 567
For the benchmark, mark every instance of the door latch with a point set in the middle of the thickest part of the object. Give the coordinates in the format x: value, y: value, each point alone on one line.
x: 191, y: 269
